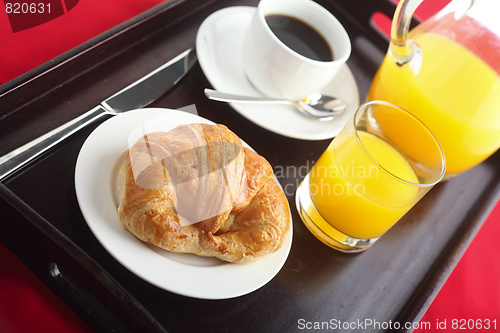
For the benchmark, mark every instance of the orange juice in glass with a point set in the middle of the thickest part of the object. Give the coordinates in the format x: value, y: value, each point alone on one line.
x: 371, y: 174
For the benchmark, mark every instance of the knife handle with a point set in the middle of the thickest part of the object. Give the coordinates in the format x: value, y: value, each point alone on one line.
x: 19, y: 157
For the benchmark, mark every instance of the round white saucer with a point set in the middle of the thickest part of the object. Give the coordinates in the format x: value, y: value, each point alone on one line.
x: 218, y: 47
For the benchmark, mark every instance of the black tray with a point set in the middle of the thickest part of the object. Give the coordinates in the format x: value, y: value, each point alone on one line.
x: 394, y: 281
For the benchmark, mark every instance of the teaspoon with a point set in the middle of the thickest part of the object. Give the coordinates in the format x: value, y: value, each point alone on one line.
x: 318, y: 106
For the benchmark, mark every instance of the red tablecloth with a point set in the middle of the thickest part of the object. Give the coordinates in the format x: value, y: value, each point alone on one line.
x: 26, y: 305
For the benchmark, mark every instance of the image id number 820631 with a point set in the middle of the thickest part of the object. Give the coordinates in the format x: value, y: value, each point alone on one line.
x: 463, y: 324
x: 24, y: 8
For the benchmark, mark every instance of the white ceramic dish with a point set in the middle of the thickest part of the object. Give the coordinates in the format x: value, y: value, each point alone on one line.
x: 219, y: 50
x: 99, y: 161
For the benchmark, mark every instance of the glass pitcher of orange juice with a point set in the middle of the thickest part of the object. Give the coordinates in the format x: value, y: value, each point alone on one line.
x: 446, y: 72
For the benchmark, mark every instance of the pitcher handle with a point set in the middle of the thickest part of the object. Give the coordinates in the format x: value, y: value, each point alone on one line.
x: 399, y: 47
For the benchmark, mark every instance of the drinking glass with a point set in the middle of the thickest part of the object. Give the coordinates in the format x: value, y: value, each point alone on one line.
x: 380, y: 165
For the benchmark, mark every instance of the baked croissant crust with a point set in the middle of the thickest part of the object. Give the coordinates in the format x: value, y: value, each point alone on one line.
x: 196, y: 189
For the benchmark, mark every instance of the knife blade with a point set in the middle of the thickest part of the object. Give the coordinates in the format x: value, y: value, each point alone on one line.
x: 148, y: 88
x: 135, y: 96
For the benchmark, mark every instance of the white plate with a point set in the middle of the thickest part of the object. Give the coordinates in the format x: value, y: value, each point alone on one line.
x: 218, y: 47
x: 99, y: 161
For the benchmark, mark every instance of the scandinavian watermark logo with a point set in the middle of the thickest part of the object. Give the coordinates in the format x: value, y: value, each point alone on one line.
x: 203, y: 178
x: 329, y: 177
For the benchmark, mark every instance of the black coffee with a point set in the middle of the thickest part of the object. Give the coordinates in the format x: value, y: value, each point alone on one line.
x: 300, y: 37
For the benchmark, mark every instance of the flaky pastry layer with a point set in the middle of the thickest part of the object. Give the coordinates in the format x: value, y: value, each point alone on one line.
x: 196, y: 189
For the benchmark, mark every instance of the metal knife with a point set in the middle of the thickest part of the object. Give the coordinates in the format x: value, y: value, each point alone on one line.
x: 137, y: 95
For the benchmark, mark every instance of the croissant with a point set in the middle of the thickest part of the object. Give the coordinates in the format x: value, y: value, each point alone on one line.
x: 196, y: 189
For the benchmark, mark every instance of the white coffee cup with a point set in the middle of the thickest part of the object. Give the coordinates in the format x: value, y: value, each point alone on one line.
x: 276, y: 70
